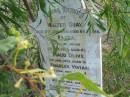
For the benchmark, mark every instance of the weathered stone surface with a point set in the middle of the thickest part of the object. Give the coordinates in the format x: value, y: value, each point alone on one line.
x: 79, y: 50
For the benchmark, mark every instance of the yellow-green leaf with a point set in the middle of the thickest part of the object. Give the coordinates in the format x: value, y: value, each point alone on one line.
x: 87, y: 83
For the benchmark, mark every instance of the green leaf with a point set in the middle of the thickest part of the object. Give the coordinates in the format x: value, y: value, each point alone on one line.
x: 15, y: 9
x: 49, y: 13
x: 54, y: 42
x: 100, y: 25
x: 55, y: 32
x: 7, y: 44
x: 57, y: 2
x: 42, y: 5
x: 87, y: 83
x: 54, y: 46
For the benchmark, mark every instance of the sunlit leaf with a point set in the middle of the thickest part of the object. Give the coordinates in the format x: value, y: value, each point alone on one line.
x: 33, y: 71
x: 87, y: 83
x: 18, y: 83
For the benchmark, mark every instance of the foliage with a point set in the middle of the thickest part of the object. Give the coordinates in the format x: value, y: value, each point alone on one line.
x: 7, y: 44
x: 10, y: 12
x: 116, y: 62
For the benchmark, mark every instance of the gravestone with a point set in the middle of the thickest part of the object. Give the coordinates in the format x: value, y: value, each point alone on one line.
x: 79, y: 50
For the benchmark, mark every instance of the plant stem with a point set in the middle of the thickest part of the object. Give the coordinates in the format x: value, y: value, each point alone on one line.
x: 15, y: 57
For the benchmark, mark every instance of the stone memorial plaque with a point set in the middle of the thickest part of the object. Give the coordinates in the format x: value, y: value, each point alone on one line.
x: 79, y: 50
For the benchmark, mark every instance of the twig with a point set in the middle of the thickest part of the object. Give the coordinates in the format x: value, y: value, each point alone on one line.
x: 28, y: 10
